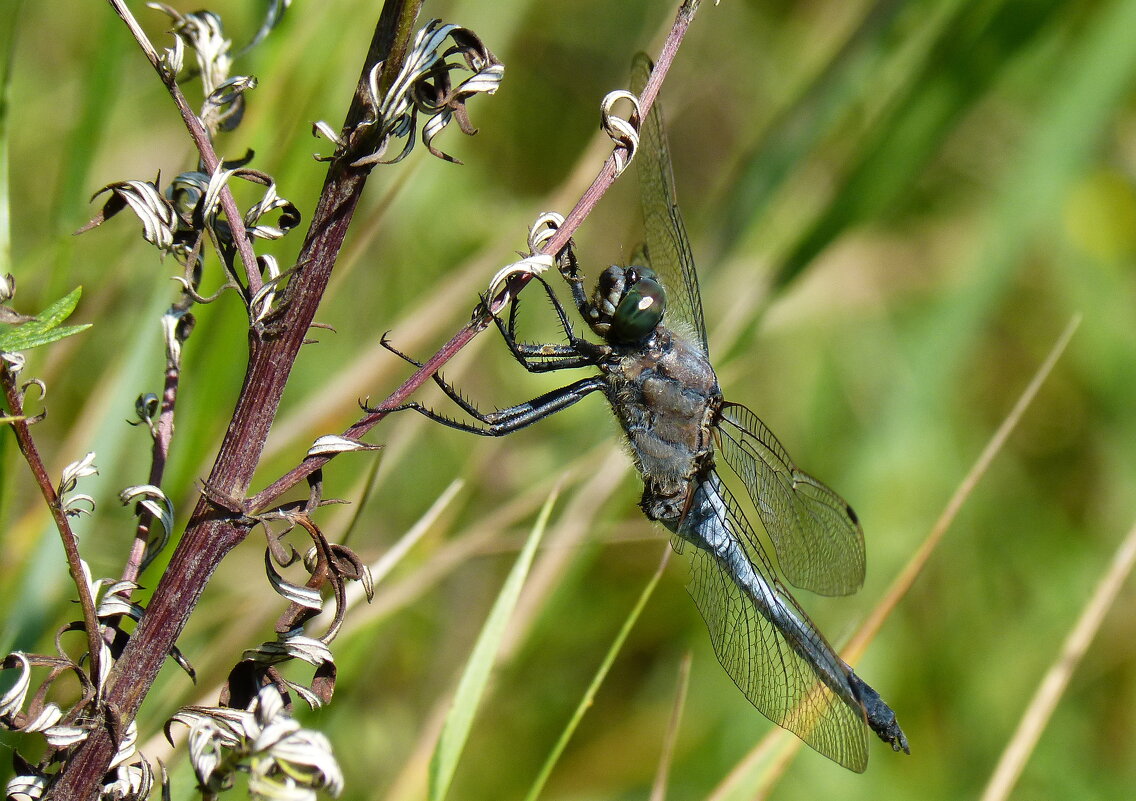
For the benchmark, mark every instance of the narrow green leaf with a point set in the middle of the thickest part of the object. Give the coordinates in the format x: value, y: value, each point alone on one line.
x: 59, y: 311
x: 472, y: 685
x: 45, y: 328
x: 601, y: 673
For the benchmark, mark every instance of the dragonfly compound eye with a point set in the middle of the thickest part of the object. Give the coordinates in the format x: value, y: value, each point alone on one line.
x: 640, y: 311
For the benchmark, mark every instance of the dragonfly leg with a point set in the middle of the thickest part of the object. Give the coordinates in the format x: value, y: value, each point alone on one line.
x: 451, y: 391
x: 506, y: 421
x: 570, y: 270
x: 547, y: 358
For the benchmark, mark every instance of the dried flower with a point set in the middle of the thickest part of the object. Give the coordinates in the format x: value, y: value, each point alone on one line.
x: 422, y: 86
x: 68, y: 498
x: 282, y: 759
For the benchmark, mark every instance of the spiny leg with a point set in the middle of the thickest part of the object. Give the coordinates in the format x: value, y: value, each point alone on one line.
x: 577, y: 353
x: 569, y: 269
x: 506, y: 421
x: 452, y: 392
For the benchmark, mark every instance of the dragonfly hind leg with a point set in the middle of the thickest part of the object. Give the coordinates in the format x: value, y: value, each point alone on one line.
x: 503, y: 421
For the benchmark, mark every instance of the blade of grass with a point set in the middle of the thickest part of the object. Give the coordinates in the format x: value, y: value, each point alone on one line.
x: 474, y: 679
x: 903, y: 582
x: 659, y: 789
x: 484, y: 537
x: 5, y: 219
x: 601, y: 673
x: 744, y: 774
x: 1052, y: 687
x: 5, y: 268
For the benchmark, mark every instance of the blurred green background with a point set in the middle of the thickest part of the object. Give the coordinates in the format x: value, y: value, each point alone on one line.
x: 896, y: 209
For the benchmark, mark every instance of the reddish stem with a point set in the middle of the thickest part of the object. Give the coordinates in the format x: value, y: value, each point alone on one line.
x: 14, y: 398
x: 465, y: 335
x: 213, y: 532
x: 209, y: 159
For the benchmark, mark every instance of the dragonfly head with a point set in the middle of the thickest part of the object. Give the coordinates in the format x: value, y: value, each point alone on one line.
x: 628, y: 304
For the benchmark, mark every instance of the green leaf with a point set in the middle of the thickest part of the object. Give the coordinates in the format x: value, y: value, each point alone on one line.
x: 589, y: 696
x: 471, y: 688
x: 45, y: 328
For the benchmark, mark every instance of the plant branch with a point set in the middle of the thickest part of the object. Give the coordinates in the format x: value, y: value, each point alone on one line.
x: 209, y: 159
x: 465, y: 335
x: 212, y: 532
x: 163, y: 432
x: 21, y: 429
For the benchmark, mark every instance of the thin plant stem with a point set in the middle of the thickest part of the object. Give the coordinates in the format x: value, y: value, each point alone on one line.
x: 159, y: 455
x: 584, y: 206
x: 659, y: 788
x: 209, y: 159
x: 1057, y: 678
x: 902, y: 584
x: 20, y: 427
x: 601, y: 673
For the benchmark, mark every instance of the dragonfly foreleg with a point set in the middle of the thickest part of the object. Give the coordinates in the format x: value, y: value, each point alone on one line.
x: 549, y: 357
x: 506, y: 421
x: 570, y: 270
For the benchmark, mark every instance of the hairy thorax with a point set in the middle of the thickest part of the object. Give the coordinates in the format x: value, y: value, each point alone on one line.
x: 665, y: 395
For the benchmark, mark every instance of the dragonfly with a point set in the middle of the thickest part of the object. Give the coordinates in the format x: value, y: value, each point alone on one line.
x: 654, y: 369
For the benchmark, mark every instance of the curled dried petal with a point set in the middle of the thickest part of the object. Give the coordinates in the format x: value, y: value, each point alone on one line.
x: 224, y: 107
x: 201, y: 31
x: 159, y: 222
x: 27, y: 787
x: 332, y: 443
x: 12, y: 701
x: 423, y: 85
x: 294, y: 593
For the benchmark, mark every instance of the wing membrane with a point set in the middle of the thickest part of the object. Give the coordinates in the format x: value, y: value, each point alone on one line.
x: 668, y: 248
x: 764, y: 640
x: 819, y: 542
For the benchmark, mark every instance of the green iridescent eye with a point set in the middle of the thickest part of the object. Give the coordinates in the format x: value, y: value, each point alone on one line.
x: 640, y: 311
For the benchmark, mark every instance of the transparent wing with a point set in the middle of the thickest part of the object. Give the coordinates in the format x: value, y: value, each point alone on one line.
x: 764, y: 640
x: 818, y: 539
x: 668, y: 248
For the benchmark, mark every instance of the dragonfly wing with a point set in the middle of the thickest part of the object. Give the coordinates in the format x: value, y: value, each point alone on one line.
x: 668, y: 248
x: 762, y: 637
x: 818, y: 539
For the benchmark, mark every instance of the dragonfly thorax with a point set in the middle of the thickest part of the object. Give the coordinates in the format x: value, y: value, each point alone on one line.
x: 628, y: 305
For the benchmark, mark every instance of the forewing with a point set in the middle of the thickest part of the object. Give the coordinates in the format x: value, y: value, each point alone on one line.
x: 818, y: 539
x: 668, y: 248
x: 762, y: 637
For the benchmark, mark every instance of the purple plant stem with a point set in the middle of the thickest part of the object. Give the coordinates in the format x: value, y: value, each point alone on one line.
x: 159, y: 455
x: 213, y: 532
x: 465, y: 335
x: 14, y: 399
x: 209, y: 158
